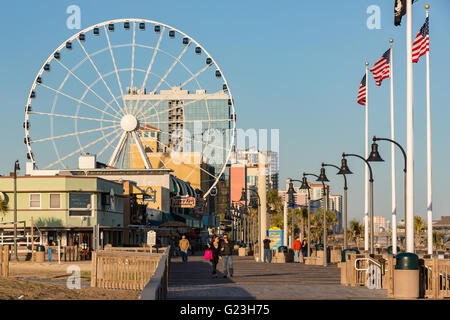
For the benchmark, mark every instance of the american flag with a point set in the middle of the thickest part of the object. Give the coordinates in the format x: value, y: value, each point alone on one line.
x: 421, y: 43
x: 362, y: 92
x: 381, y: 69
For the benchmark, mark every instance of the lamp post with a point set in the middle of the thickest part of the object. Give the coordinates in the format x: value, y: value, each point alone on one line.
x: 289, y: 203
x: 344, y: 163
x: 394, y: 218
x: 323, y: 178
x: 244, y: 199
x: 16, y: 170
x: 375, y: 157
x: 306, y: 186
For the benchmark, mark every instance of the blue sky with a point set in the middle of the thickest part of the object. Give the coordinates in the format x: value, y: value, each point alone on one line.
x: 291, y: 65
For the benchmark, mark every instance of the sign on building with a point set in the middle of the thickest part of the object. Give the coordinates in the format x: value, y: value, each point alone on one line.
x: 183, y: 202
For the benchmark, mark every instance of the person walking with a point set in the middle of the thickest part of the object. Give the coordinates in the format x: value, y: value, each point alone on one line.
x: 184, y: 246
x: 214, y: 246
x: 267, y: 253
x: 226, y: 250
x: 297, y: 246
x: 304, y: 249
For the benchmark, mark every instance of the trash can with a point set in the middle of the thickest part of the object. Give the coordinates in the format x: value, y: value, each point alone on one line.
x: 40, y: 253
x: 389, y: 249
x: 282, y: 249
x: 406, y: 276
x: 347, y: 250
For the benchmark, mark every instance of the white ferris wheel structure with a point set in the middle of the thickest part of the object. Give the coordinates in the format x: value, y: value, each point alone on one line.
x: 107, y: 86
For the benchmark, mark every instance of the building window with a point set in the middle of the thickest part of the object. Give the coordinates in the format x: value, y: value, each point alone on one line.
x: 35, y: 200
x: 55, y: 200
x: 80, y: 204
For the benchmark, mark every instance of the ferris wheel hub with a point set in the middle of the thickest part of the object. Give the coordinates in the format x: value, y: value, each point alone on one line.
x: 129, y: 123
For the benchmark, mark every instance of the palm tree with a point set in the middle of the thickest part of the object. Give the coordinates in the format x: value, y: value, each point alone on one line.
x: 317, y: 224
x: 356, y: 230
x: 438, y: 239
x: 419, y: 226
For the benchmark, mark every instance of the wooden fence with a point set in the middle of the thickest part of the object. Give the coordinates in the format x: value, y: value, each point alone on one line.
x: 434, y: 274
x: 113, y: 269
x: 156, y: 288
x: 4, y: 261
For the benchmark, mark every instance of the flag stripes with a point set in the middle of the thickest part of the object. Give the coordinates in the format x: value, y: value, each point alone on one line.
x: 362, y: 92
x: 381, y: 69
x: 421, y: 43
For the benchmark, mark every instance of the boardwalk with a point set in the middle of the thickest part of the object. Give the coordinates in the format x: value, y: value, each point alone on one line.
x: 253, y: 280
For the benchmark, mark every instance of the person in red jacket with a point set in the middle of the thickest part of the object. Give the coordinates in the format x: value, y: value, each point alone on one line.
x: 297, y: 247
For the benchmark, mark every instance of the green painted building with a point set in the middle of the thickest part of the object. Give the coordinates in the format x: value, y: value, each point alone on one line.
x: 65, y: 207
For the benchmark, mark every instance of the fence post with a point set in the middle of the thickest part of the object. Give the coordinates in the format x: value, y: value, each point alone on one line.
x: 435, y: 277
x: 94, y: 269
x: 5, y: 264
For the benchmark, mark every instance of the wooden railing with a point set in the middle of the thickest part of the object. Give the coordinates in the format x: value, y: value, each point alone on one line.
x: 114, y: 269
x: 436, y: 278
x: 4, y: 261
x: 156, y: 288
x: 434, y: 275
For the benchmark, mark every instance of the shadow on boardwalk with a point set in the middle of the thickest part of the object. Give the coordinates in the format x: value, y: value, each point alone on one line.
x: 252, y: 280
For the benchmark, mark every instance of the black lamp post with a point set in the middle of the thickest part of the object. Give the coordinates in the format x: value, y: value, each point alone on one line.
x: 375, y: 157
x: 306, y: 186
x: 344, y: 162
x: 323, y: 178
x: 394, y: 245
x: 16, y: 170
x: 252, y: 203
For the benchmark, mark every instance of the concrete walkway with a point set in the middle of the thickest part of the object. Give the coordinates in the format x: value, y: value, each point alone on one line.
x: 252, y: 280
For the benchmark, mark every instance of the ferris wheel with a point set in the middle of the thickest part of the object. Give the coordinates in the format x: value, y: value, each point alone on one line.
x: 132, y: 92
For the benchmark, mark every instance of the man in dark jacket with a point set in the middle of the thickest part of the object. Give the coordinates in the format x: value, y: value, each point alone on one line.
x: 267, y: 252
x: 226, y: 251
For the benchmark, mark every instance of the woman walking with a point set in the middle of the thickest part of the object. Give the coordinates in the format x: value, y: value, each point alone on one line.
x: 215, y: 248
x: 304, y: 249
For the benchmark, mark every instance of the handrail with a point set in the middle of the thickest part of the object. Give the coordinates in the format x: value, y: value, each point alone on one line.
x: 156, y: 288
x: 377, y: 263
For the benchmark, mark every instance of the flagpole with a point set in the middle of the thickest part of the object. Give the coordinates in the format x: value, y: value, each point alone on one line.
x: 409, y: 228
x: 429, y: 194
x: 366, y: 179
x: 393, y: 186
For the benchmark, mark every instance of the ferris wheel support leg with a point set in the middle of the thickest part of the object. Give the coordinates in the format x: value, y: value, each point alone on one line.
x: 141, y: 150
x: 115, y: 156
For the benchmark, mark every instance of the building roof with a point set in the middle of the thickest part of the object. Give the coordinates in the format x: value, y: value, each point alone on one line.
x: 148, y: 127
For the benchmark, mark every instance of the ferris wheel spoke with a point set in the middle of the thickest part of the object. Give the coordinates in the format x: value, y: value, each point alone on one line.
x: 189, y: 121
x: 195, y: 75
x: 203, y: 142
x: 73, y: 134
x: 152, y: 107
x: 80, y: 149
x: 114, y: 61
x: 155, y: 51
x: 173, y: 108
x: 109, y: 144
x: 118, y: 149
x: 199, y: 166
x: 77, y: 100
x: 141, y: 150
x: 171, y: 67
x: 70, y: 116
x: 132, y: 54
x: 100, y: 75
x: 87, y: 87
